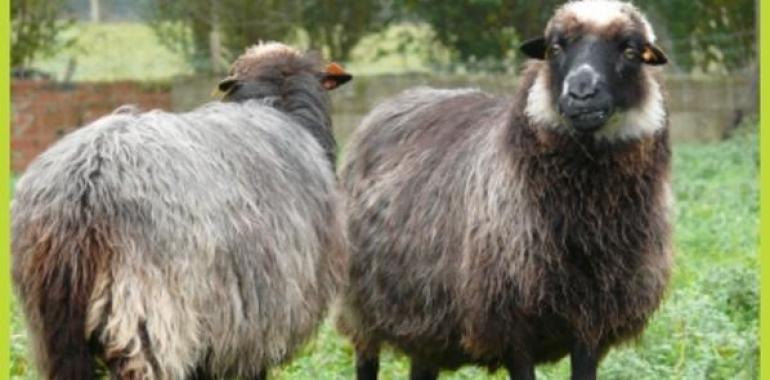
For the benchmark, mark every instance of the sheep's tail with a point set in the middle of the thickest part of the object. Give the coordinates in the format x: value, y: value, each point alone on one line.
x: 55, y: 266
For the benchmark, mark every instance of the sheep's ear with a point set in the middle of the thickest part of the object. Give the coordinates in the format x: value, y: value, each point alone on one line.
x: 534, y: 48
x: 225, y: 86
x: 334, y: 76
x: 652, y: 55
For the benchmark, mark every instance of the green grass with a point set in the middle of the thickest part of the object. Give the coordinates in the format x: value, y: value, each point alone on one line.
x: 115, y: 51
x: 707, y: 327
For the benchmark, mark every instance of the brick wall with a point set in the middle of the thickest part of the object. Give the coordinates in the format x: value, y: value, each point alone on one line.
x: 43, y: 111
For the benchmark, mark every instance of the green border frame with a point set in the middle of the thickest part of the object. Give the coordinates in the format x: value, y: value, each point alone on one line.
x: 5, y: 292
x: 764, y: 77
x: 5, y: 190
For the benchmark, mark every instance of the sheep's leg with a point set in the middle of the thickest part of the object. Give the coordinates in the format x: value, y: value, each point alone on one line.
x: 200, y: 374
x: 521, y: 367
x: 584, y: 361
x: 421, y: 371
x: 128, y: 369
x: 367, y: 364
x: 137, y: 361
x: 262, y: 375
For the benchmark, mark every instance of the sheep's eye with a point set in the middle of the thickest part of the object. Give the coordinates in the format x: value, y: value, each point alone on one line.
x: 630, y: 53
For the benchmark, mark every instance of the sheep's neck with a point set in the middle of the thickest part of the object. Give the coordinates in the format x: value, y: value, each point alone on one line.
x: 303, y: 100
x: 311, y: 110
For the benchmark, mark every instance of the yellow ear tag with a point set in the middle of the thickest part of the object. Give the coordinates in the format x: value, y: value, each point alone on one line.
x: 217, y: 93
x: 227, y: 83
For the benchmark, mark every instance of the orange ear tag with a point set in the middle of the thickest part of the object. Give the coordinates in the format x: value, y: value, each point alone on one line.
x: 335, y: 69
x: 648, y: 55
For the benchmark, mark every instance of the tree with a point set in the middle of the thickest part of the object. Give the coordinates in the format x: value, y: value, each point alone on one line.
x: 700, y: 33
x: 36, y: 27
x: 478, y: 30
x: 334, y: 25
x: 338, y: 25
x: 187, y: 26
x: 705, y: 32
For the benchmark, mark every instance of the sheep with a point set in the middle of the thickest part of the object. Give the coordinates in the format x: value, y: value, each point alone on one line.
x: 200, y: 245
x: 512, y: 231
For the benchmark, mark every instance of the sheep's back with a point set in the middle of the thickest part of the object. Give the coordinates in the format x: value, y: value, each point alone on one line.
x: 220, y: 218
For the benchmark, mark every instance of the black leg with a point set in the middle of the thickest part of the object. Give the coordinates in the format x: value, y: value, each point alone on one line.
x: 521, y: 368
x: 421, y: 371
x: 367, y: 365
x: 199, y: 374
x: 584, y: 362
x: 261, y: 376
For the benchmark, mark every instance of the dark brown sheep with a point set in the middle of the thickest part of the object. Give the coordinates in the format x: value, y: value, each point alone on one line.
x: 514, y: 231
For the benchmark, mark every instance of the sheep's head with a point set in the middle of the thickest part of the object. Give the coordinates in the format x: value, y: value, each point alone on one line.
x: 264, y: 69
x: 596, y: 73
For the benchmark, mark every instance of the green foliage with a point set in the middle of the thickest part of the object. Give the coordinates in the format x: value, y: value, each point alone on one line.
x: 338, y: 25
x: 334, y: 25
x: 708, y: 33
x: 399, y: 48
x: 21, y: 359
x: 187, y: 27
x: 35, y: 30
x: 101, y: 54
x: 712, y: 35
x: 482, y: 33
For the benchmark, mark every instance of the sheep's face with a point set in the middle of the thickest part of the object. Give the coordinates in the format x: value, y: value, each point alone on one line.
x: 595, y: 73
x: 264, y: 68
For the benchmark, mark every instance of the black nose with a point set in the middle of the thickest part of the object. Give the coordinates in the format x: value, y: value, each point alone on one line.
x: 583, y: 86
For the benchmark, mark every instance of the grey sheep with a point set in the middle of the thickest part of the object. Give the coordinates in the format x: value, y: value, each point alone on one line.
x: 198, y: 245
